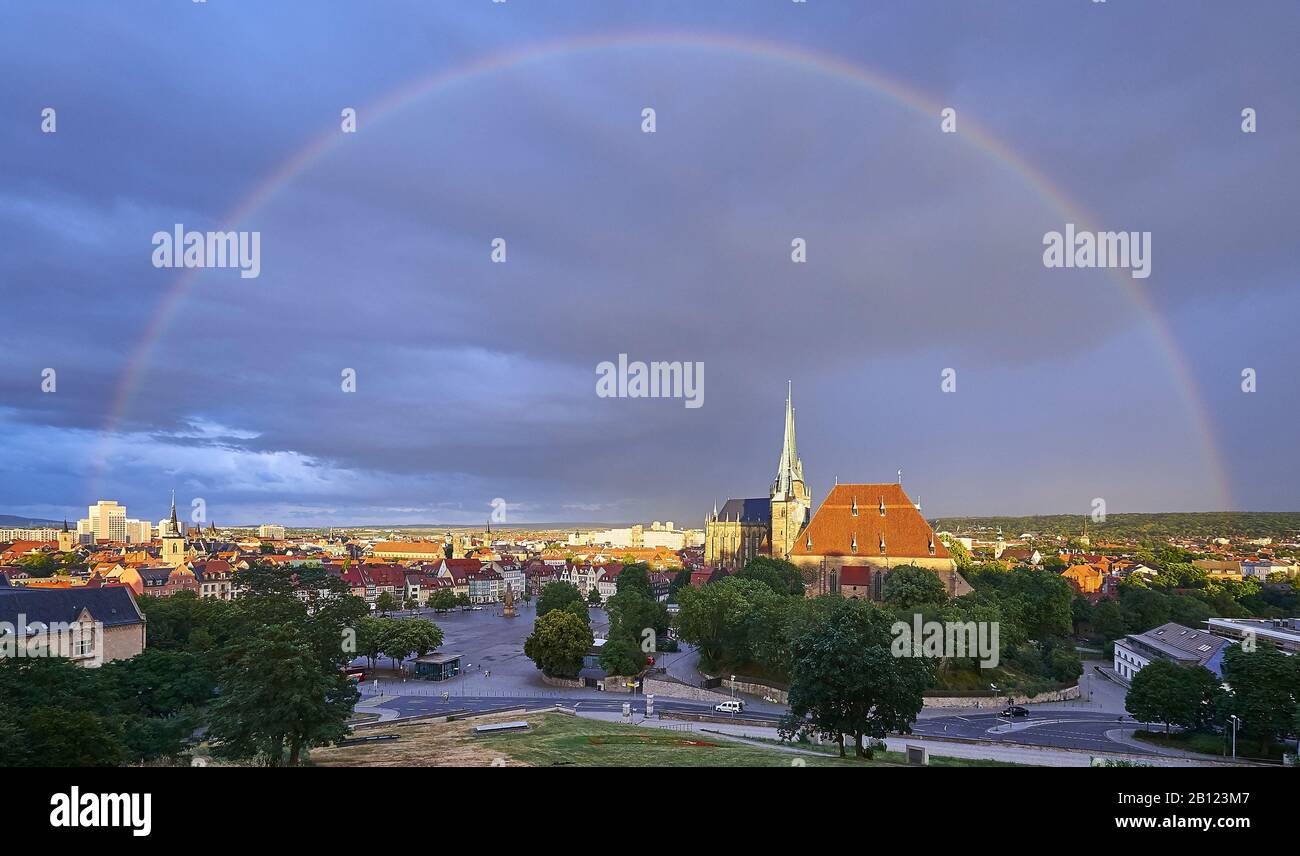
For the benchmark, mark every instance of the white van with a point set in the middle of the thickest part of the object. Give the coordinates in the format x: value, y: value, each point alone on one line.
x: 734, y: 705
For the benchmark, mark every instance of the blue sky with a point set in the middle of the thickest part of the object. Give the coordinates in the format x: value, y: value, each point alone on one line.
x: 477, y: 381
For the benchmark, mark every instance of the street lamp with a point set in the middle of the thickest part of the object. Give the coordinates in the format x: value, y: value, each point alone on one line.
x: 1236, y: 721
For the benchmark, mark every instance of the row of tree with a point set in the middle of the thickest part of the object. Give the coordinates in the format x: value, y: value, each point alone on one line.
x: 264, y: 673
x: 1260, y: 687
x: 749, y: 622
x: 562, y: 637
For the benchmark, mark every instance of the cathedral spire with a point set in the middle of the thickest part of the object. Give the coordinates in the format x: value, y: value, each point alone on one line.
x: 790, y: 469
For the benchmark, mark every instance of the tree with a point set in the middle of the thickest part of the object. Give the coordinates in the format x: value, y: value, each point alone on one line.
x: 780, y: 576
x: 960, y: 555
x: 1265, y: 684
x: 631, y: 614
x: 386, y: 602
x: 1173, y: 694
x: 558, y: 643
x: 907, y: 587
x: 40, y: 564
x: 557, y: 595
x: 397, y: 640
x: 462, y: 600
x: 579, y: 610
x: 707, y: 617
x: 276, y: 701
x: 593, y: 596
x: 370, y: 632
x: 621, y: 657
x: 443, y: 600
x: 423, y: 636
x: 845, y: 680
x: 634, y: 577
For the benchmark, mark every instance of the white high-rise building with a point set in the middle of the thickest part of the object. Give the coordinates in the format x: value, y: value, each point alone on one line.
x: 139, y: 531
x: 107, y: 522
x: 271, y: 530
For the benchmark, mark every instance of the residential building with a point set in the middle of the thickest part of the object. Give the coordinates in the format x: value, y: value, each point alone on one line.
x: 90, y: 626
x: 1281, y: 633
x: 1170, y: 642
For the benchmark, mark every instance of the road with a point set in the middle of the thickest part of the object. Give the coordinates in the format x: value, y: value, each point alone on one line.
x: 425, y: 704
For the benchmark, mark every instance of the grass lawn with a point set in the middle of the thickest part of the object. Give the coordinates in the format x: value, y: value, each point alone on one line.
x: 560, y: 740
x: 1210, y: 744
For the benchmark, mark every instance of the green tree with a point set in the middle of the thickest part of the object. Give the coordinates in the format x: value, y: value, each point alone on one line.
x: 1173, y: 694
x: 780, y: 576
x: 1265, y: 684
x: 443, y: 600
x: 276, y: 701
x: 593, y: 596
x: 631, y: 614
x: 621, y: 657
x: 557, y: 595
x: 845, y: 679
x: 634, y: 577
x: 386, y: 603
x: 907, y: 587
x: 558, y: 643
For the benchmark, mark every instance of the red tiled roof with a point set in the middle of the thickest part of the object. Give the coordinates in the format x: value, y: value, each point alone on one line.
x: 835, y: 527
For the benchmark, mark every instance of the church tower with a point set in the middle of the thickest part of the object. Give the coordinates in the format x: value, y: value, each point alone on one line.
x: 789, y: 495
x: 174, y: 552
x: 67, y: 539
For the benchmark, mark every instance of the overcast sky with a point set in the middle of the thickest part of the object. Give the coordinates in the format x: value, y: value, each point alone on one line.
x: 477, y: 380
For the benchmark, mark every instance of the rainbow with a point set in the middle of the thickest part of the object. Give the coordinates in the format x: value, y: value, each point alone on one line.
x: 831, y: 66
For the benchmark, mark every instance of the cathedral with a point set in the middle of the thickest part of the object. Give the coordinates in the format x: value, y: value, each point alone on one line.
x: 860, y: 532
x: 765, y: 526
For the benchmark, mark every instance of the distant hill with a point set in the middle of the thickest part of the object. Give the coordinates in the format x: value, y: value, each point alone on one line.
x: 9, y: 520
x: 1211, y: 524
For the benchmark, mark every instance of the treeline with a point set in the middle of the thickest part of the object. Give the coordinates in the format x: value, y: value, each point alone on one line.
x: 263, y: 675
x: 638, y: 627
x: 748, y: 623
x: 1139, y: 527
x: 1259, y: 690
x: 1184, y: 594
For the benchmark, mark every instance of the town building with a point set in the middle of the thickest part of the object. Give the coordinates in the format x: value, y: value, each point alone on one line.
x: 89, y: 626
x: 1280, y: 633
x: 1170, y: 642
x: 873, y: 525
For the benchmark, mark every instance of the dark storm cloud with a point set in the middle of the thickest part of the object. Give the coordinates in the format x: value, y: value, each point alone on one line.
x: 477, y: 380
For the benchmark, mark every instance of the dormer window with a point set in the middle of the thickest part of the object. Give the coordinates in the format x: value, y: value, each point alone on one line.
x: 809, y: 542
x: 931, y: 545
x: 853, y: 510
x: 882, y: 506
x: 853, y: 544
x: 882, y: 545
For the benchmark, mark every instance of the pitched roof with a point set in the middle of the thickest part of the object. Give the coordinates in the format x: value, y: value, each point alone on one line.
x: 747, y: 510
x: 1183, y: 644
x: 837, y: 527
x: 113, y: 606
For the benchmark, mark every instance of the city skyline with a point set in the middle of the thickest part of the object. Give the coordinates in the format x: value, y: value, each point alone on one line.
x: 476, y: 381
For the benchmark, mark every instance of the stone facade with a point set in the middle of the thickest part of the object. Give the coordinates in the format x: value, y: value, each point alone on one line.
x: 869, y: 525
x: 746, y: 528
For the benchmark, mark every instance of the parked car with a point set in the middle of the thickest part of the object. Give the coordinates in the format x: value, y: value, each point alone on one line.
x: 734, y: 705
x: 1014, y: 710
